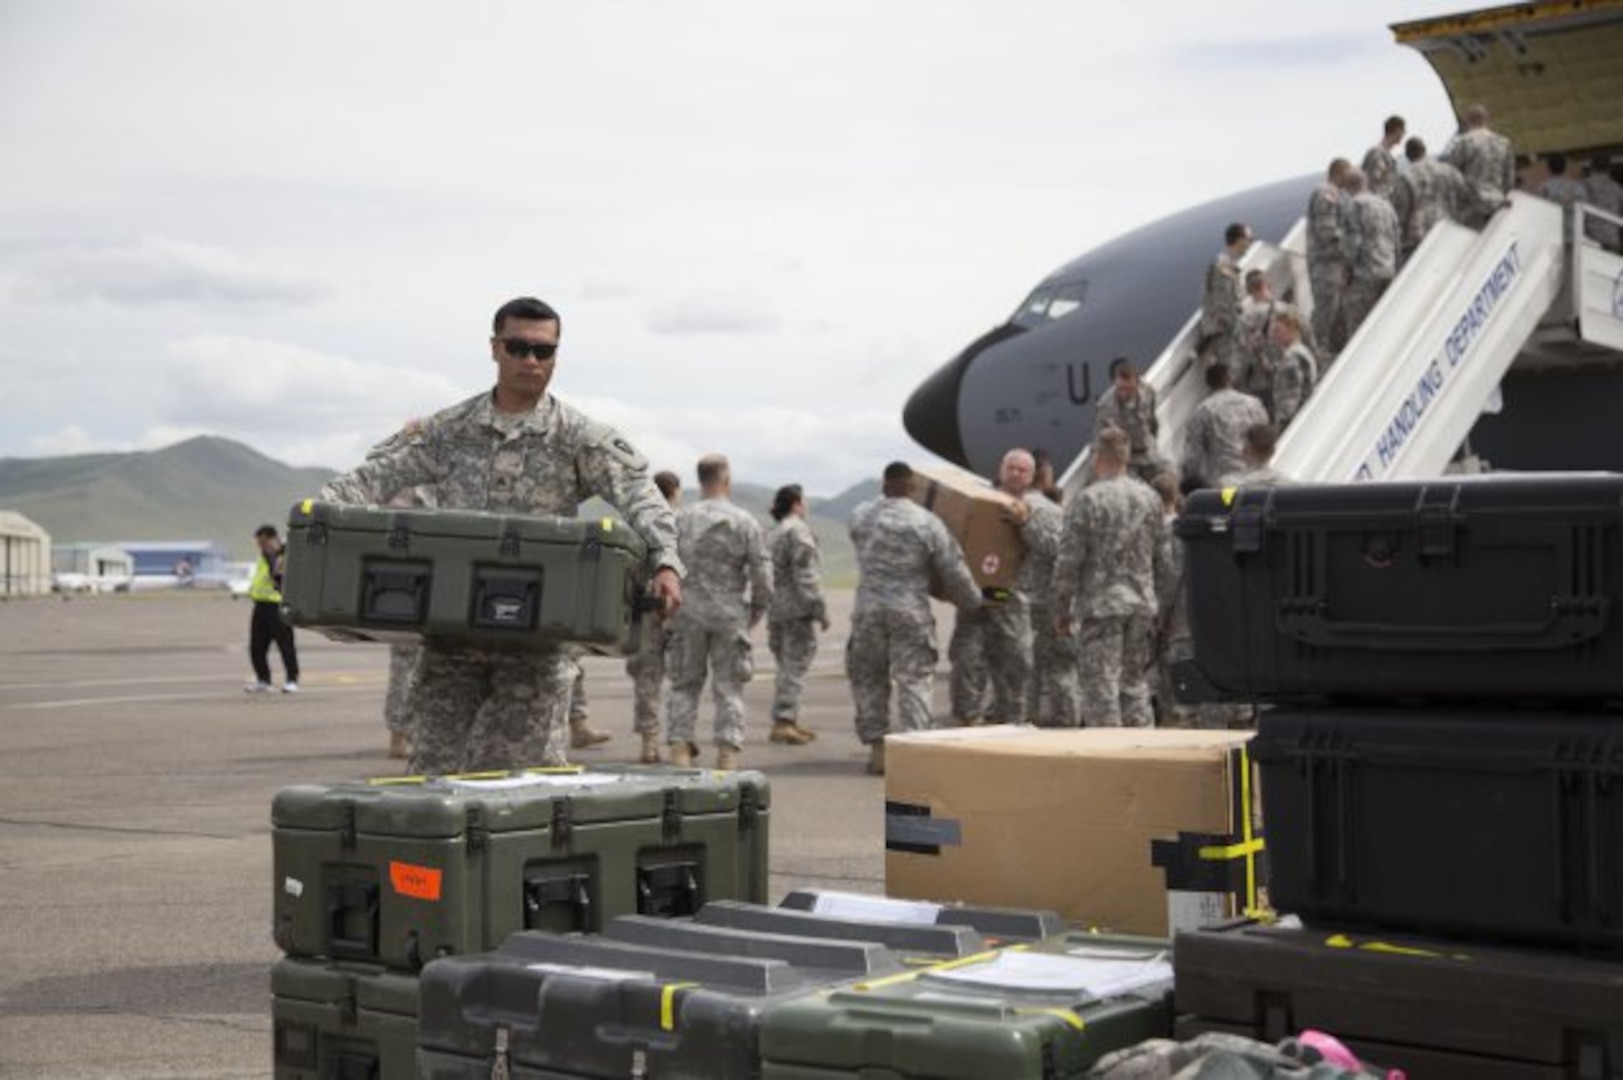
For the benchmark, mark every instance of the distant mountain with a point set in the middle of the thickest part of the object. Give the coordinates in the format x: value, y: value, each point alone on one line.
x: 211, y: 488
x: 203, y: 488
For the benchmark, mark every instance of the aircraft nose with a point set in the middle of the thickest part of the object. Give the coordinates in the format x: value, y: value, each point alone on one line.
x: 931, y: 413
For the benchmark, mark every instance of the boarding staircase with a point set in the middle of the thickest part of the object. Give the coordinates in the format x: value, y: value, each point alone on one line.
x: 1401, y: 398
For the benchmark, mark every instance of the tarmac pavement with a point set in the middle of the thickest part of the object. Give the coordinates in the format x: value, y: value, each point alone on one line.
x: 135, y: 786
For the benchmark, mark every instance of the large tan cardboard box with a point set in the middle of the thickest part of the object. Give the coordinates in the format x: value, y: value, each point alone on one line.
x: 1075, y: 821
x: 973, y: 512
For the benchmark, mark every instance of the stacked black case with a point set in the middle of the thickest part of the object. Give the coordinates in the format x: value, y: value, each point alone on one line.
x: 1441, y: 758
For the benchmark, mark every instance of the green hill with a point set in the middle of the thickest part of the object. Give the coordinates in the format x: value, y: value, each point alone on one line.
x: 203, y: 488
x: 211, y: 488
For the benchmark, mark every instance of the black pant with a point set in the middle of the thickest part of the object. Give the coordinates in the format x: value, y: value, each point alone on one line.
x: 267, y: 626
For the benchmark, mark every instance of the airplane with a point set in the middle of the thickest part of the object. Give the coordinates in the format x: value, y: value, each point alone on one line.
x: 1548, y: 72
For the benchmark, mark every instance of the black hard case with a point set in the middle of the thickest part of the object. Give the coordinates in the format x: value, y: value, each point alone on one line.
x: 640, y: 1001
x: 1482, y: 587
x: 457, y: 577
x: 1437, y: 1008
x: 1501, y: 825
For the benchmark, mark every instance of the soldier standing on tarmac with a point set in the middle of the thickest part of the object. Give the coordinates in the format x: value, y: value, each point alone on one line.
x: 729, y: 589
x: 901, y: 547
x: 1051, y: 695
x: 647, y: 665
x: 797, y: 612
x: 514, y: 449
x: 1112, y: 562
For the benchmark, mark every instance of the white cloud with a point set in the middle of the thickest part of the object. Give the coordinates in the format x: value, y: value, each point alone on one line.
x: 68, y: 439
x: 159, y: 269
x: 740, y: 313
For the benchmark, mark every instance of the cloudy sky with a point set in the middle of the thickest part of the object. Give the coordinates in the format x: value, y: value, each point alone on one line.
x: 763, y: 223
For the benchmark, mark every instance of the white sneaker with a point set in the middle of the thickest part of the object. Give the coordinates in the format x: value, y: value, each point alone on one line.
x: 290, y: 688
x: 257, y: 687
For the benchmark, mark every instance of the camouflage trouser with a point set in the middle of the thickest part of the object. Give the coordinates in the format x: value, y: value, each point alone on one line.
x: 990, y: 654
x: 1053, y: 698
x: 794, y: 646
x: 886, y: 647
x: 478, y: 710
x: 1328, y: 282
x: 1112, y: 654
x: 1359, y: 300
x: 397, y: 702
x: 724, y: 654
x: 969, y: 683
x: 647, y: 670
x: 577, y: 695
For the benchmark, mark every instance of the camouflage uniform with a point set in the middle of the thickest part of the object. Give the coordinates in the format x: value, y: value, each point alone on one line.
x: 578, y: 706
x: 479, y: 709
x: 397, y: 701
x: 1214, y: 438
x: 1327, y: 266
x: 1137, y: 418
x: 728, y: 588
x: 1220, y: 313
x: 1259, y: 353
x: 1567, y: 193
x: 1605, y: 194
x: 1488, y: 164
x: 1431, y: 191
x: 1294, y: 378
x: 969, y: 676
x: 1051, y: 700
x: 797, y: 610
x: 1375, y: 258
x: 1112, y: 560
x: 900, y: 547
x: 647, y: 670
x: 1380, y: 171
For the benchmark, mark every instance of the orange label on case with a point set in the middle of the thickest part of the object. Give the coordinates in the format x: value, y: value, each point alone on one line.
x: 417, y: 882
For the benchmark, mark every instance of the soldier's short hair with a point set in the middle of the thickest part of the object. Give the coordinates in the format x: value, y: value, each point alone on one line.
x: 265, y: 532
x: 1261, y: 439
x: 784, y: 500
x: 1288, y: 318
x: 898, y: 472
x: 668, y: 483
x: 1475, y: 115
x: 1253, y: 279
x: 1557, y: 162
x: 1166, y: 486
x: 1353, y: 180
x: 1337, y: 169
x: 526, y: 308
x: 1120, y: 364
x: 1236, y: 232
x: 1217, y: 377
x: 1415, y: 148
x: 712, y: 467
x: 1113, y: 446
x: 1394, y: 125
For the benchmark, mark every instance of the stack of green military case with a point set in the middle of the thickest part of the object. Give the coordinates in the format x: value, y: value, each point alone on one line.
x: 459, y: 577
x: 741, y: 991
x: 373, y: 879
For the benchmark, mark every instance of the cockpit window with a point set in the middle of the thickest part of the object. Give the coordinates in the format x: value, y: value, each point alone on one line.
x: 1050, y: 302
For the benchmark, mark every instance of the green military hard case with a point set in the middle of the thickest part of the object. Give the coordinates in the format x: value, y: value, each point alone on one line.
x: 458, y: 577
x: 401, y: 870
x: 1037, y: 1011
x: 335, y: 1022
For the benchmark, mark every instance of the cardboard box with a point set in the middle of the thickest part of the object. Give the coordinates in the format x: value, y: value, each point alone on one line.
x: 1128, y: 830
x: 973, y: 512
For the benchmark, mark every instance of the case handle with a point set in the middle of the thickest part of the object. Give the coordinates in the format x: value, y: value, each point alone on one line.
x: 1570, y: 621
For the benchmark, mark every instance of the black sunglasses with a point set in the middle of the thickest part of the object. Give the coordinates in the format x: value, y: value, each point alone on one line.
x: 518, y: 350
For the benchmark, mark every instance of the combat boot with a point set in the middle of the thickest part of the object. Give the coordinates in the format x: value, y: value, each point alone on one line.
x: 727, y: 757
x: 876, y: 758
x: 790, y: 733
x: 650, y: 748
x: 583, y: 736
x: 682, y: 754
x: 397, y: 745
